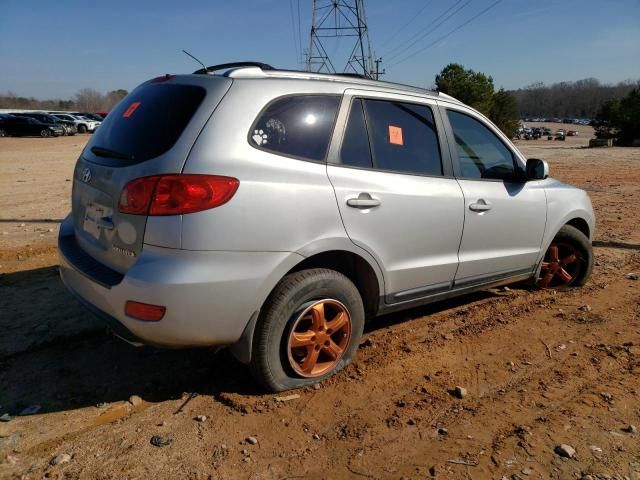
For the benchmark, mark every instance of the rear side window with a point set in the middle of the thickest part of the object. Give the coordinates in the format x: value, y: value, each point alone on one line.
x: 481, y: 153
x: 403, y: 137
x: 148, y: 122
x: 297, y: 126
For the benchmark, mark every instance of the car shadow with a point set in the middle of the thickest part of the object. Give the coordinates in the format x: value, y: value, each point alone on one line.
x: 30, y: 220
x: 55, y: 354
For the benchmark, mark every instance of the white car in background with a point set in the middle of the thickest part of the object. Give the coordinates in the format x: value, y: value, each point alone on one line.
x: 83, y: 124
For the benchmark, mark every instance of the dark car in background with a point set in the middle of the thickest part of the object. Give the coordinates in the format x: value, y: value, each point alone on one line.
x: 69, y: 127
x: 17, y: 126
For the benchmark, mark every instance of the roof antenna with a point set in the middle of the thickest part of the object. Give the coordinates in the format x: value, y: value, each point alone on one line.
x: 205, y: 68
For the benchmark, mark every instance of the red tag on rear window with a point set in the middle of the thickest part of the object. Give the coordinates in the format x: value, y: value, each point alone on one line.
x: 395, y: 135
x: 129, y: 111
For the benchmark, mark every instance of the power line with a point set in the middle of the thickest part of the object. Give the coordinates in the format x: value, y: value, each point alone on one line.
x: 418, y: 33
x: 438, y: 25
x: 299, y: 35
x: 411, y: 20
x: 296, y: 43
x: 448, y: 34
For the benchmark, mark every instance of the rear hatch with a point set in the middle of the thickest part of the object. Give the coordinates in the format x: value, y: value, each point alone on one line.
x: 149, y: 132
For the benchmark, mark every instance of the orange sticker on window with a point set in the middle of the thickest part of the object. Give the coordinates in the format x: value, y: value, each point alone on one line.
x: 129, y: 111
x: 395, y: 135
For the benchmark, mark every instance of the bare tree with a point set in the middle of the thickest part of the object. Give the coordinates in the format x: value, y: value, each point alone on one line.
x: 90, y: 100
x: 113, y: 97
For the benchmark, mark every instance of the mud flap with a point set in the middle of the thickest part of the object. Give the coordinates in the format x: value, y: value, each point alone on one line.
x: 243, y: 347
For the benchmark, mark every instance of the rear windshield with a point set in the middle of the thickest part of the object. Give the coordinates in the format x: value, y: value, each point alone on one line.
x: 148, y: 122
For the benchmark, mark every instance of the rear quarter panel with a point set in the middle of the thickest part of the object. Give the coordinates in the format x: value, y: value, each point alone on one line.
x: 282, y: 204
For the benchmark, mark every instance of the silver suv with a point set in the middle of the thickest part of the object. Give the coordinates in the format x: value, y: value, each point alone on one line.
x: 275, y: 211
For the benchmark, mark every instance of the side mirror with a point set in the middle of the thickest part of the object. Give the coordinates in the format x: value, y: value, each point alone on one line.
x: 537, y: 169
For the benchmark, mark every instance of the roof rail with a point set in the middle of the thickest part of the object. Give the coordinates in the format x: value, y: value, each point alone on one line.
x: 224, y: 66
x: 353, y: 75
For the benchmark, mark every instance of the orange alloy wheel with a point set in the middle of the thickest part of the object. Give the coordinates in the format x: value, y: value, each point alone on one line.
x: 319, y: 338
x: 560, y: 267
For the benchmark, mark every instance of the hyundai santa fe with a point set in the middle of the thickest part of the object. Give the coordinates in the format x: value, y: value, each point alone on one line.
x: 275, y: 211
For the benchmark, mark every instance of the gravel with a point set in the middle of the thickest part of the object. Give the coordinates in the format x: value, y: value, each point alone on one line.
x: 566, y: 451
x: 61, y: 458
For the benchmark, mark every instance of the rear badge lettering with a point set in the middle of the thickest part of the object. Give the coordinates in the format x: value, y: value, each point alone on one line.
x: 129, y: 111
x: 124, y: 251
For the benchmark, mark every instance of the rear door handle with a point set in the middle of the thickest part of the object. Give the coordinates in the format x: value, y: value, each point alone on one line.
x: 480, y: 206
x: 364, y: 200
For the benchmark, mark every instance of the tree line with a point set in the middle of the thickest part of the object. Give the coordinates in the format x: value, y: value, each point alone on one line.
x: 85, y: 100
x: 615, y: 107
x: 581, y: 99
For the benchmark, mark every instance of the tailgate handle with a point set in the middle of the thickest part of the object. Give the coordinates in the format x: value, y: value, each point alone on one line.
x: 105, y: 223
x: 364, y: 200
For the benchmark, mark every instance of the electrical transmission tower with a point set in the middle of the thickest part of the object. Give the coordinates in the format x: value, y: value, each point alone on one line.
x: 331, y: 21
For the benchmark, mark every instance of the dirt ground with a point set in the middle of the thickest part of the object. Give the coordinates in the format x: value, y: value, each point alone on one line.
x: 542, y: 368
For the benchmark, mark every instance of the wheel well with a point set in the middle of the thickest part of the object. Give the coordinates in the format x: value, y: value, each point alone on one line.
x: 354, y: 267
x: 581, y: 225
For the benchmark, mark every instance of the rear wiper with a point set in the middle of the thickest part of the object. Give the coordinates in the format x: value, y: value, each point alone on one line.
x: 107, y: 152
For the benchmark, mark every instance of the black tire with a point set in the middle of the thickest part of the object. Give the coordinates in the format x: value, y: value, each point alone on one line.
x: 270, y: 361
x: 82, y: 129
x: 44, y: 133
x: 3, y: 133
x: 571, y: 236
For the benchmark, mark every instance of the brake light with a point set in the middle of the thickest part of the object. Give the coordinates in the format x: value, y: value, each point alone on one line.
x: 176, y: 194
x: 162, y: 78
x: 144, y: 311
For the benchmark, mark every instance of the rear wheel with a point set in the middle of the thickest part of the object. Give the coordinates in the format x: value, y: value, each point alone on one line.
x: 309, y: 329
x: 568, y: 261
x: 44, y: 133
x: 82, y: 129
x: 3, y: 133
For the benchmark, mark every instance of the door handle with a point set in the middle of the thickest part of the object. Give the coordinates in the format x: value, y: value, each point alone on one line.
x: 480, y: 206
x: 364, y: 200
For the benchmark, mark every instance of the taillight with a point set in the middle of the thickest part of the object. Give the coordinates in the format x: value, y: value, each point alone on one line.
x: 176, y: 194
x: 144, y: 311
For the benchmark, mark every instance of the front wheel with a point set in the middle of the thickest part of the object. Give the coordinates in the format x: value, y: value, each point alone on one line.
x: 309, y: 329
x: 44, y: 133
x: 82, y: 129
x: 568, y: 261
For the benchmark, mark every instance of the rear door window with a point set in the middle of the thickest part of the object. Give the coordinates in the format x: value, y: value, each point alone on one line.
x: 403, y: 137
x: 297, y: 126
x: 148, y: 122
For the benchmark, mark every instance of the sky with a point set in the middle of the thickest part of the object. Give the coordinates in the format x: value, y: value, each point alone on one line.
x: 52, y: 49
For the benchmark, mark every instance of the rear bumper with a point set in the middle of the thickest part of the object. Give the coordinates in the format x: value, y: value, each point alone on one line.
x: 209, y: 295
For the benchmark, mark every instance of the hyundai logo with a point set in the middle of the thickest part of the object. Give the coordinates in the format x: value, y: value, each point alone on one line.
x: 86, y: 175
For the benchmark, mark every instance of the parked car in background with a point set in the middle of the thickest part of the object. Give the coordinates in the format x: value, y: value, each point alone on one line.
x: 312, y: 185
x: 572, y: 133
x: 91, y: 116
x: 83, y: 125
x: 68, y: 126
x: 17, y: 126
x: 561, y: 135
